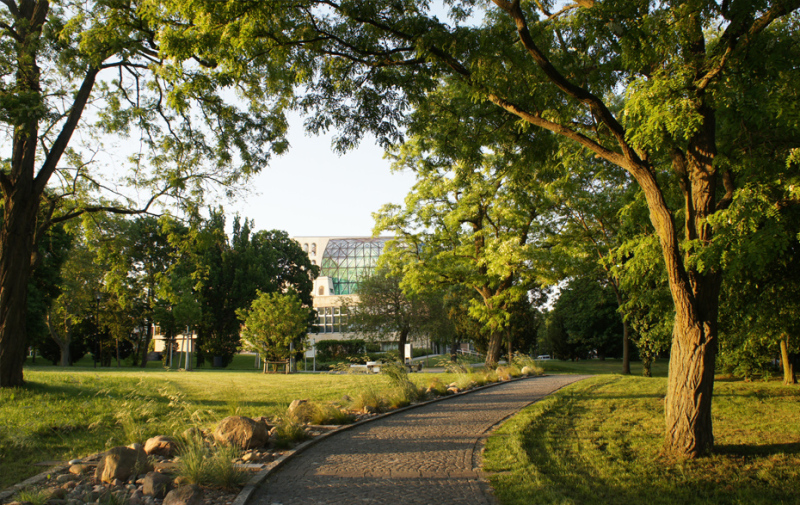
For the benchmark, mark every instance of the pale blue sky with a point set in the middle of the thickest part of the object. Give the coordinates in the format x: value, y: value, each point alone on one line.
x: 312, y: 191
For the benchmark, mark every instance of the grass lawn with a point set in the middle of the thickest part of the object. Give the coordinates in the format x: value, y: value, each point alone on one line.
x: 596, y: 367
x: 63, y: 414
x: 599, y: 442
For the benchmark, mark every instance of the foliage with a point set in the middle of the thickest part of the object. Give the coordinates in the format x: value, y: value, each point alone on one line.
x: 330, y: 350
x: 385, y: 312
x: 273, y: 322
x: 82, y: 76
x: 760, y: 314
x: 648, y: 308
x: 690, y: 99
x: 228, y: 273
x: 475, y: 223
x: 586, y: 312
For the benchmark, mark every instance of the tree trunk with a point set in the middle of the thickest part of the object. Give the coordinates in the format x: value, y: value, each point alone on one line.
x: 626, y: 348
x: 495, y: 349
x: 147, y: 337
x: 691, y: 385
x: 789, y: 376
x: 402, y: 341
x: 647, y: 363
x: 16, y: 248
x: 62, y: 342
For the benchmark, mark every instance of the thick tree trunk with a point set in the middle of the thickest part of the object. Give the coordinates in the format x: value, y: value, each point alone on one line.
x: 789, y: 376
x: 495, y: 349
x: 647, y: 363
x: 691, y: 385
x: 16, y: 247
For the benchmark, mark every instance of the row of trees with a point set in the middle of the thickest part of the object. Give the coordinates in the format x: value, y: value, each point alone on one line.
x: 694, y: 104
x: 105, y: 285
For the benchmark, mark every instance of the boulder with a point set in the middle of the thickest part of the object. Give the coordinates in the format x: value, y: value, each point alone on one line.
x: 186, y: 495
x: 241, y: 432
x: 156, y: 485
x: 161, y: 446
x: 79, y: 469
x: 120, y: 463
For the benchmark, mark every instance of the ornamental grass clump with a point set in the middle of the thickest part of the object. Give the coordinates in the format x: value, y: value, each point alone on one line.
x: 330, y: 414
x: 527, y: 365
x: 202, y: 463
x: 462, y: 370
x: 404, y: 391
x: 436, y: 387
x: 33, y: 496
x: 290, y: 430
x: 368, y: 400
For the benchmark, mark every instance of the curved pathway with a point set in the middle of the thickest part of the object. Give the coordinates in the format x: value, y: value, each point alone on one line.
x: 425, y: 455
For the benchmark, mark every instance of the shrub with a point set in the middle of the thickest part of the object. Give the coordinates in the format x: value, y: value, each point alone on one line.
x: 331, y: 350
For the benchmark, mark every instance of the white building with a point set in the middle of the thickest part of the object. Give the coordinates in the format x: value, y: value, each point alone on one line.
x: 343, y: 262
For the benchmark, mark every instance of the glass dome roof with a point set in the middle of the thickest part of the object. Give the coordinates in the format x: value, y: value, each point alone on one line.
x: 349, y: 260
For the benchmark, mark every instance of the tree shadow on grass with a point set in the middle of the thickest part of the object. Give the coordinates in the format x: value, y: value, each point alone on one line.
x: 757, y: 450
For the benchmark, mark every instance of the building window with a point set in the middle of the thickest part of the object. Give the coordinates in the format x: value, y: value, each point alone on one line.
x: 314, y: 249
x: 321, y: 290
x: 305, y: 248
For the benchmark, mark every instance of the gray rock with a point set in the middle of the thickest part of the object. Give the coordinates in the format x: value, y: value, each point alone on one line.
x: 156, y: 485
x: 119, y: 463
x: 186, y: 495
x: 161, y: 446
x: 241, y: 432
x: 79, y: 469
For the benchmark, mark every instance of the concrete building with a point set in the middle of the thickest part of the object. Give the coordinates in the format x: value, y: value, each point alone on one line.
x: 343, y: 262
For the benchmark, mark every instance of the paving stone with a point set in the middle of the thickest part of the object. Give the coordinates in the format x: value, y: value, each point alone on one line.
x: 430, y: 454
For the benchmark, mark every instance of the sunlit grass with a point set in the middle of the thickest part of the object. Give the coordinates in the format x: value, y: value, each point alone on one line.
x: 63, y: 414
x: 599, y: 441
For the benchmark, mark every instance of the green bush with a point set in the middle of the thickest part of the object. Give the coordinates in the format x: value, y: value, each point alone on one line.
x: 331, y: 350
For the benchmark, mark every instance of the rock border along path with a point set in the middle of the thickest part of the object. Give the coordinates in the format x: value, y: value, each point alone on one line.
x: 428, y: 454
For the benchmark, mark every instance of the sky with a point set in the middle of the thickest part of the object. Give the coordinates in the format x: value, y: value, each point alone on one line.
x: 312, y: 191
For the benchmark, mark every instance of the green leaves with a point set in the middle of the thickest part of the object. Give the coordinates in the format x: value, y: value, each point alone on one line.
x: 273, y: 322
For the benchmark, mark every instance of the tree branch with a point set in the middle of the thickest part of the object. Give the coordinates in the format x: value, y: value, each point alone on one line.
x: 58, y: 147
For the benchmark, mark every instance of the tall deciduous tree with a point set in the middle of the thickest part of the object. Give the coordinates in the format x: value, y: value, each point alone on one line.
x: 229, y: 272
x: 478, y: 225
x: 707, y: 85
x: 385, y: 312
x: 126, y: 61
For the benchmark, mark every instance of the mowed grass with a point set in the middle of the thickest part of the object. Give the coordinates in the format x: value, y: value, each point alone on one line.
x: 599, y: 441
x: 600, y: 367
x: 63, y: 414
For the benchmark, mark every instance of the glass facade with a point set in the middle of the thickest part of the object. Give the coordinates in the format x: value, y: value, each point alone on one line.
x: 347, y: 261
x: 331, y: 320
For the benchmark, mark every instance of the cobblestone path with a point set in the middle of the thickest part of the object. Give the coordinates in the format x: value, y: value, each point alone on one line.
x: 427, y: 455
